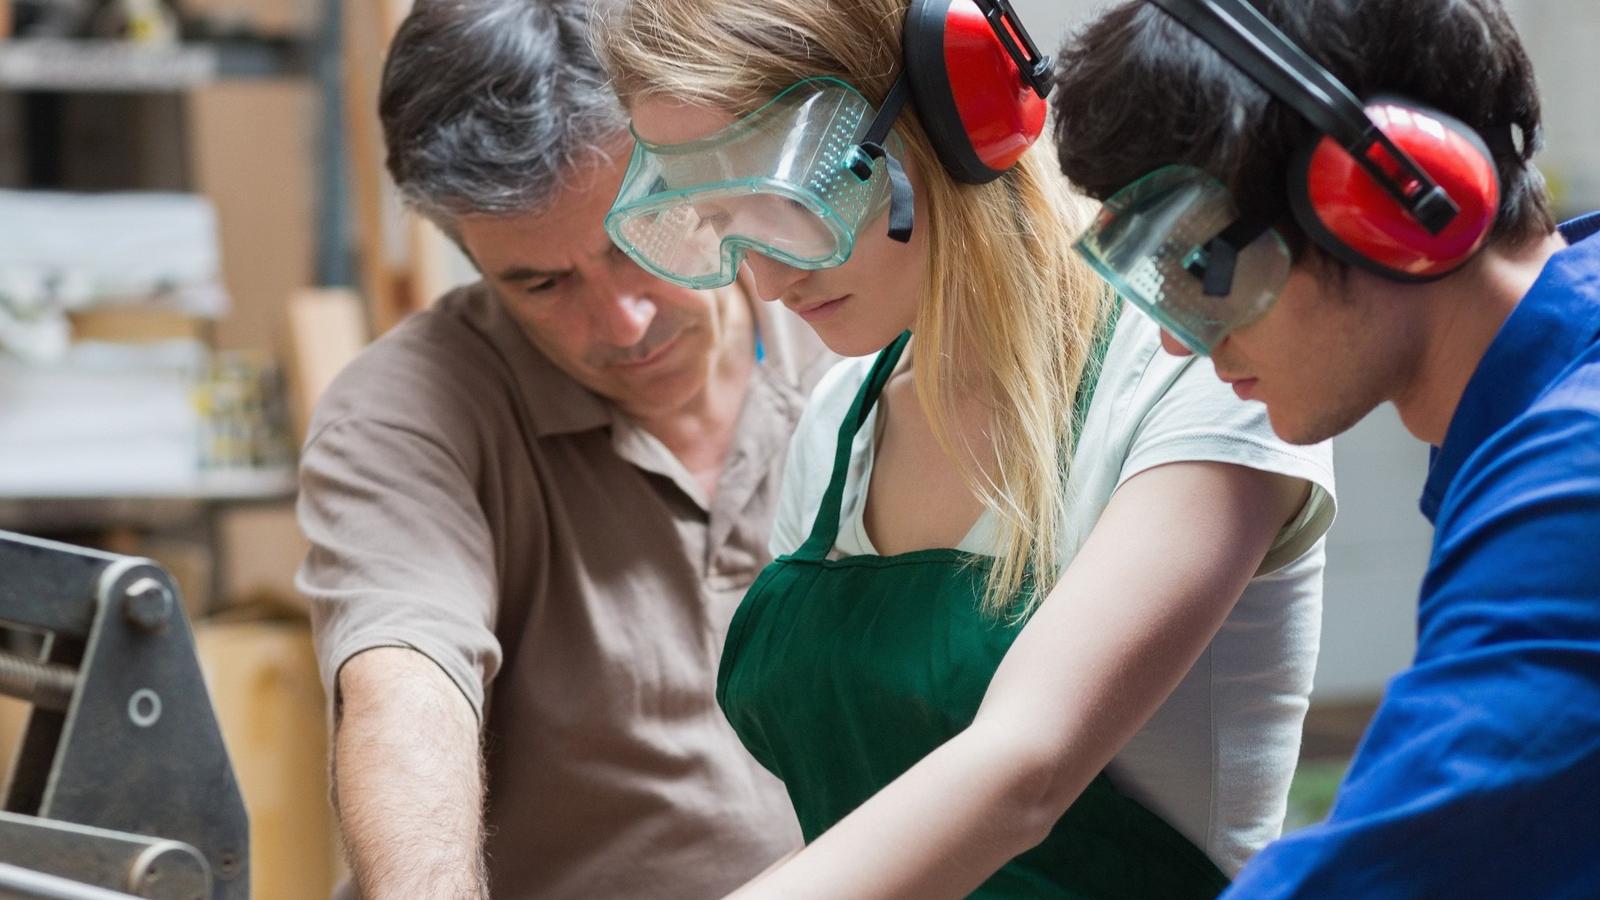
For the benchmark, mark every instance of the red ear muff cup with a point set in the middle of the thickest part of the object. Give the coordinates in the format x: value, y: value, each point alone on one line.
x: 973, y: 103
x: 1346, y: 212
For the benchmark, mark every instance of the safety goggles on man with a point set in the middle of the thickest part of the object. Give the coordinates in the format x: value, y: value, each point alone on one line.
x: 796, y: 180
x: 1174, y: 244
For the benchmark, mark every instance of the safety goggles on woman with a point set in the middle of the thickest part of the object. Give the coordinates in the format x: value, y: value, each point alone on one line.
x: 795, y: 180
x: 1174, y: 244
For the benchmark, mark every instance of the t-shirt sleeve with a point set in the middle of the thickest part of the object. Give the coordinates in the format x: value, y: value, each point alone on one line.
x: 1481, y: 771
x: 788, y: 525
x: 401, y: 553
x: 809, y: 465
x: 1190, y: 415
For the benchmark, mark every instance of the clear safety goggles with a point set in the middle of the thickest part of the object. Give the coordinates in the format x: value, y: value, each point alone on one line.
x: 796, y: 181
x: 1174, y: 245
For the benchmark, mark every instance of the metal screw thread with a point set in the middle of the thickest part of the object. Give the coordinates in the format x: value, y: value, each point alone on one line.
x: 46, y: 685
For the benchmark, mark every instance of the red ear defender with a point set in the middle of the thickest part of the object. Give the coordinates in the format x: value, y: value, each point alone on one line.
x: 1345, y: 210
x: 980, y: 101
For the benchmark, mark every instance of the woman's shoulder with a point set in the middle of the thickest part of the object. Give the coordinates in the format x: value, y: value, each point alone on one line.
x: 816, y: 433
x: 839, y: 385
x: 811, y: 451
x: 831, y: 399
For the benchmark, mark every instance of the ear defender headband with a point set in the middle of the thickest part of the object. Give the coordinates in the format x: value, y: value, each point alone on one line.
x: 1393, y: 187
x: 979, y: 85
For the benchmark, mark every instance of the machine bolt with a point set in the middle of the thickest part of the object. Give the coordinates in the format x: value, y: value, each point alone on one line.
x: 148, y: 604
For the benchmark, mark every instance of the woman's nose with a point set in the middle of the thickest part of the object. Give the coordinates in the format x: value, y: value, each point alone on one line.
x: 773, y: 278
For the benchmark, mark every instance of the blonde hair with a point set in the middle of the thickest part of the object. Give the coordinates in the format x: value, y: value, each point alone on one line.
x: 1010, y: 312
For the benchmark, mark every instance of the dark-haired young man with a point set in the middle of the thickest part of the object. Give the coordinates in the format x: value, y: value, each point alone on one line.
x: 1238, y: 220
x: 534, y: 507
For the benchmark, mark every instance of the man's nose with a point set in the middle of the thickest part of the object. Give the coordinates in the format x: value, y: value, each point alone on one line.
x: 773, y: 278
x: 1173, y: 345
x: 624, y: 318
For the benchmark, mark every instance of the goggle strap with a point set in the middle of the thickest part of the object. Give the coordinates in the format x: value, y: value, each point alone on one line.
x: 878, y: 129
x: 1222, y: 255
x: 902, y: 205
x: 1223, y: 258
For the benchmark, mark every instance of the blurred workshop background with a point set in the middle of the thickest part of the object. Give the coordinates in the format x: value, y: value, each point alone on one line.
x: 196, y: 232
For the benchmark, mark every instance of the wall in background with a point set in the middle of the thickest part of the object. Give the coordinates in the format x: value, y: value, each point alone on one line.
x: 1379, y: 546
x: 1560, y: 36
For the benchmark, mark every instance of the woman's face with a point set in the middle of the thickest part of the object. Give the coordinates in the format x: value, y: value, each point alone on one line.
x: 856, y: 308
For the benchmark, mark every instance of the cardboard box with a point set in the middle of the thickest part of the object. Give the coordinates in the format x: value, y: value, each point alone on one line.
x: 261, y: 549
x: 253, y: 151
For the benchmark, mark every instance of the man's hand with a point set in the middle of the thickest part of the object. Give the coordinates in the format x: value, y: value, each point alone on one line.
x: 408, y: 780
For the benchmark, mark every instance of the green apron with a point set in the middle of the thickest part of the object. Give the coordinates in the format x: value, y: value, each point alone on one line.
x: 839, y: 675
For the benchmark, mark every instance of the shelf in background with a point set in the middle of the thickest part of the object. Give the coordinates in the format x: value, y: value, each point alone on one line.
x: 50, y: 64
x: 55, y: 507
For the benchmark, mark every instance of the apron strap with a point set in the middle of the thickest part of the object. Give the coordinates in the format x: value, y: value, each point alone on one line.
x: 1090, y: 379
x: 825, y: 530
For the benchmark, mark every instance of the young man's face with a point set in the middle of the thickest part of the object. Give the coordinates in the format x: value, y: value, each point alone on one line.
x: 646, y: 345
x: 1328, y: 352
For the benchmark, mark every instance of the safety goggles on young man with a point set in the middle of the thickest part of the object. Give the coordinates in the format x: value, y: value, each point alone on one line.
x: 1174, y: 244
x: 795, y: 180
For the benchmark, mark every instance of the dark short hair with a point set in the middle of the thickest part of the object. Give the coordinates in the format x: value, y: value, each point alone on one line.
x: 1136, y: 90
x: 486, y: 104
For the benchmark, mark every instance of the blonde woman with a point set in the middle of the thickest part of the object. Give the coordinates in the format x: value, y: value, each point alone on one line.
x: 1046, y: 606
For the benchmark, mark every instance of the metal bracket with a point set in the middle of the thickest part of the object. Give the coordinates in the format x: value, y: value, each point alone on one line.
x: 135, y: 747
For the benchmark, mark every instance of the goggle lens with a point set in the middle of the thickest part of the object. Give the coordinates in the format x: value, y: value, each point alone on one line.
x: 1157, y: 239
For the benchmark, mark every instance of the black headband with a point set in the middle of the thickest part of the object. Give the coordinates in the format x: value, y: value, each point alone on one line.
x: 1256, y: 47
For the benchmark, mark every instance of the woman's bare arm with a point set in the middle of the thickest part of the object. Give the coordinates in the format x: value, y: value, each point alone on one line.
x: 1159, y: 574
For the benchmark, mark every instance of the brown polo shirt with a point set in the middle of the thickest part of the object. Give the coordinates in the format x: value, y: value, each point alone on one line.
x: 466, y: 498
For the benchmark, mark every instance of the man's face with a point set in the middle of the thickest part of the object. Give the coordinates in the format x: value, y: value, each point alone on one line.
x: 642, y: 343
x: 1327, y: 353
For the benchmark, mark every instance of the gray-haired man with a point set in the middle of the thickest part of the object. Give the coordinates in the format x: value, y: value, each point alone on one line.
x: 556, y: 483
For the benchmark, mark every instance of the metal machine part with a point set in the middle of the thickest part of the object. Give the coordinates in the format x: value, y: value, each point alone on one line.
x: 17, y: 883
x: 121, y: 782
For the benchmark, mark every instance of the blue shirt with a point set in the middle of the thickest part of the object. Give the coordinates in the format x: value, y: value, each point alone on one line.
x: 1480, y: 775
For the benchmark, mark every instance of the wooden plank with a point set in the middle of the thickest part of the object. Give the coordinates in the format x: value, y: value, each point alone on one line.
x: 432, y: 272
x: 134, y: 325
x: 404, y: 259
x: 327, y: 329
x: 269, y: 699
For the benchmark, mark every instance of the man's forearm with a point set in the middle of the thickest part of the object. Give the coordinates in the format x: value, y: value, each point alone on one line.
x: 408, y: 780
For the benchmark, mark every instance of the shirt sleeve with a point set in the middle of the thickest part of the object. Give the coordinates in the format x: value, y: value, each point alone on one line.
x: 788, y: 525
x: 1193, y: 416
x: 809, y: 465
x: 1480, y: 775
x: 401, y: 553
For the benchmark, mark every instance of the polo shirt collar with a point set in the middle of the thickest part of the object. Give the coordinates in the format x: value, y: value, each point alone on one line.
x: 1556, y: 321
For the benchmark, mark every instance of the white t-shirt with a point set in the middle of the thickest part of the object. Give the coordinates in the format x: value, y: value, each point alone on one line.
x: 1216, y: 758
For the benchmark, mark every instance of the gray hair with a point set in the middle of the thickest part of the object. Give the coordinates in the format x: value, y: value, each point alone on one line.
x: 488, y: 104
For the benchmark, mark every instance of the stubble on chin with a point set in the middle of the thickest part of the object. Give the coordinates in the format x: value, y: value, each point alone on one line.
x: 1318, y: 425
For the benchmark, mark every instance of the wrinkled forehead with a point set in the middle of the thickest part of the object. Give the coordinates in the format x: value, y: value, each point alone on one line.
x: 558, y: 233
